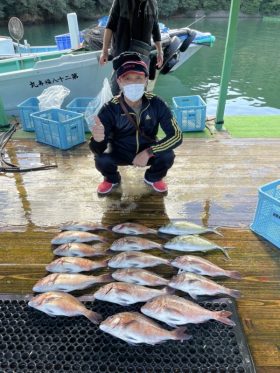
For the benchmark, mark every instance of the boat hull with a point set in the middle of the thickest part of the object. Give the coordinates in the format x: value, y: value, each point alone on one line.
x: 25, y: 77
x: 80, y: 73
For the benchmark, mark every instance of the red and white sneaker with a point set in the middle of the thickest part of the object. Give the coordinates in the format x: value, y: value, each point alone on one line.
x: 105, y: 187
x: 159, y: 186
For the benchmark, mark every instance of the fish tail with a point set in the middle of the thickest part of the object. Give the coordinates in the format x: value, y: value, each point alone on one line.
x: 86, y: 298
x: 105, y: 278
x: 222, y: 316
x: 168, y: 290
x: 166, y: 282
x: 94, y: 317
x: 234, y: 274
x: 169, y: 262
x: 104, y: 227
x: 192, y: 295
x: 106, y: 251
x: 103, y: 239
x: 180, y: 334
x: 214, y: 230
x: 152, y: 231
x: 234, y: 293
x: 103, y: 263
x: 224, y: 250
x: 224, y: 313
x: 110, y: 227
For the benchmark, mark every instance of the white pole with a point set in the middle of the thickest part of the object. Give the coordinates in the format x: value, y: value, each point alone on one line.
x: 73, y: 30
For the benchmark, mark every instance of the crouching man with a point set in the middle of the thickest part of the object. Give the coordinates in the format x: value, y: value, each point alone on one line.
x: 130, y: 123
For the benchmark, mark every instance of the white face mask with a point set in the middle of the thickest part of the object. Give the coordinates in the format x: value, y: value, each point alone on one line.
x: 133, y: 92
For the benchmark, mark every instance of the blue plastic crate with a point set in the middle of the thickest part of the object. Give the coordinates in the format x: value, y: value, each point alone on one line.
x: 79, y: 105
x: 64, y: 42
x: 190, y: 112
x: 102, y: 22
x: 267, y: 216
x: 60, y: 128
x: 27, y: 107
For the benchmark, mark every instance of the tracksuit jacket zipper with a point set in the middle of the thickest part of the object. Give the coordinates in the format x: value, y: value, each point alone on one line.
x: 138, y: 118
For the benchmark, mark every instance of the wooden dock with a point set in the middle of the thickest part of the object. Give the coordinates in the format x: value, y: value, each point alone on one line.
x: 213, y: 182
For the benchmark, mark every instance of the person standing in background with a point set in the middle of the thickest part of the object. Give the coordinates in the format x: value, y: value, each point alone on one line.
x: 130, y: 27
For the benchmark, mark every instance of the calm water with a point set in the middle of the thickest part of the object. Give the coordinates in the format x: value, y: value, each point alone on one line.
x: 255, y: 79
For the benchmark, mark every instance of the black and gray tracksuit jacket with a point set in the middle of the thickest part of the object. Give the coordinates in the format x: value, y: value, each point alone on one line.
x: 128, y: 140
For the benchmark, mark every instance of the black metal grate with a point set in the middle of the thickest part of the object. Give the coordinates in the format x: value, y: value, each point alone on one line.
x: 31, y: 341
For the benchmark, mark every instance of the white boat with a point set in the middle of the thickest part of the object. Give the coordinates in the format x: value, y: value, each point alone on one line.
x: 25, y: 76
x: 10, y: 49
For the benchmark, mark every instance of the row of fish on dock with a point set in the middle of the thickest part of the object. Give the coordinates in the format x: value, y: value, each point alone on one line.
x: 133, y: 282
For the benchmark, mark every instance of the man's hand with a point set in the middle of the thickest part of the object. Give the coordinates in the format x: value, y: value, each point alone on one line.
x: 103, y: 57
x: 98, y: 132
x: 141, y: 159
x: 159, y: 54
x: 159, y: 59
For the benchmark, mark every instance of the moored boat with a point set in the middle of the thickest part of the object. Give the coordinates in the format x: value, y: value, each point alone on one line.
x: 28, y: 74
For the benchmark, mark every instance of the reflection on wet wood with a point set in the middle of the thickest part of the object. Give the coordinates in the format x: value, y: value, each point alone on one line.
x: 212, y: 183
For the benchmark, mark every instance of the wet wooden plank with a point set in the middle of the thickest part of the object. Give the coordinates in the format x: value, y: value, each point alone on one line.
x: 213, y: 182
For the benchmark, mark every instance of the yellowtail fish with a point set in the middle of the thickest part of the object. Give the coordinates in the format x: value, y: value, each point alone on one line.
x: 134, y: 244
x: 125, y: 294
x: 196, y: 285
x: 182, y: 227
x: 139, y: 277
x: 195, y: 264
x: 135, y: 259
x: 74, y: 265
x: 76, y: 236
x: 81, y: 250
x: 193, y: 243
x: 174, y: 310
x: 68, y: 282
x: 83, y: 226
x: 133, y: 229
x: 62, y: 304
x: 134, y: 328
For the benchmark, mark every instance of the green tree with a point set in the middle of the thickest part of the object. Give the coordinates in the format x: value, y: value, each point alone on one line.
x: 270, y: 7
x: 189, y: 4
x: 85, y: 9
x: 250, y: 7
x: 167, y: 8
x: 104, y: 5
x: 2, y: 12
x: 53, y: 9
x: 215, y: 4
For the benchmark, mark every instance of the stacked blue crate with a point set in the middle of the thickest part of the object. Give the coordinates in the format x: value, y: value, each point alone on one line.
x: 190, y: 112
x: 79, y: 105
x: 27, y: 107
x: 267, y: 216
x: 63, y: 41
x: 60, y: 128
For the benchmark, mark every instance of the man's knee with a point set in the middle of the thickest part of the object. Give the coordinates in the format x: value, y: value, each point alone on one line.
x: 166, y: 158
x: 103, y: 161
